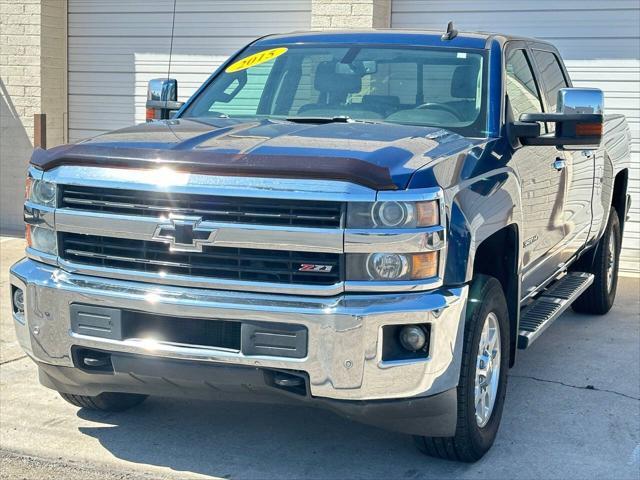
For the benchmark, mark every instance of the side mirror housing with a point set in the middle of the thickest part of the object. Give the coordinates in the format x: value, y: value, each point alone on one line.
x: 162, y: 99
x: 579, y: 121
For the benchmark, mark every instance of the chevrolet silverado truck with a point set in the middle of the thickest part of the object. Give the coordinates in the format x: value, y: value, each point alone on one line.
x: 368, y: 222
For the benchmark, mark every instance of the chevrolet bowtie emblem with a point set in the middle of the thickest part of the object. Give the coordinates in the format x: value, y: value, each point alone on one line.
x: 185, y: 234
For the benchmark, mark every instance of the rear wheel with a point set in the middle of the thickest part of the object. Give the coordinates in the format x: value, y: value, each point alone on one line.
x: 599, y: 297
x: 105, y: 402
x: 483, y: 376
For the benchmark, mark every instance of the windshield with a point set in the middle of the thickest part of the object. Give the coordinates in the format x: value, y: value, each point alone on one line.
x: 405, y: 85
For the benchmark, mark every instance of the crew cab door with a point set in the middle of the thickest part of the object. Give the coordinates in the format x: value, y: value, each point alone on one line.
x: 543, y: 184
x: 578, y: 165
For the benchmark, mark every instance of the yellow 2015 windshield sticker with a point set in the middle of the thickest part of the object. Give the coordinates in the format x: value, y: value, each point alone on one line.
x: 255, y: 59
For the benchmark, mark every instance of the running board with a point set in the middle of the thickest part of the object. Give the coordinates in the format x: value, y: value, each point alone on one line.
x: 537, y: 317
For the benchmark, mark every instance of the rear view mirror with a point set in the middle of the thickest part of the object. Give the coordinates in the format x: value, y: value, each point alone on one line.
x: 370, y: 66
x: 579, y: 120
x: 162, y: 99
x: 357, y: 67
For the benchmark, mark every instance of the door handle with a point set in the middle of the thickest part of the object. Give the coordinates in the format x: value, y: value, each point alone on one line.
x: 559, y: 164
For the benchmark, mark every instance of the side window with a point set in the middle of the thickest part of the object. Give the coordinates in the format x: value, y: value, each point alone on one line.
x: 552, y: 76
x: 521, y: 87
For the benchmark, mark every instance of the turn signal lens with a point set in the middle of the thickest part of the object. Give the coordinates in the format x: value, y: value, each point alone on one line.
x: 589, y: 129
x: 27, y: 188
x: 27, y: 235
x: 427, y: 214
x: 424, y: 265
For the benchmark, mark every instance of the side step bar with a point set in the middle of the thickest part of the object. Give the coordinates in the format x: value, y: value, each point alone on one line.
x: 537, y: 317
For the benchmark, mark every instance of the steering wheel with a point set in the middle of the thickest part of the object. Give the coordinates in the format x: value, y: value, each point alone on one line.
x: 440, y: 106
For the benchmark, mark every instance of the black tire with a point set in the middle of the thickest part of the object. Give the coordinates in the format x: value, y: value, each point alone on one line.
x: 471, y: 441
x: 598, y: 298
x: 105, y: 402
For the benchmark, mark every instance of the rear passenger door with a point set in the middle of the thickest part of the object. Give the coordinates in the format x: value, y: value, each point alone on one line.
x: 543, y: 186
x: 578, y: 166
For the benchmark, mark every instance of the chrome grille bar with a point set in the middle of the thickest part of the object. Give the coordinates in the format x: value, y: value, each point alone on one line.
x: 211, y: 208
x: 230, y: 263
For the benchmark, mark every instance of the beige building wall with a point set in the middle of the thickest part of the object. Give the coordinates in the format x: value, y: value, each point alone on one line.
x: 350, y: 14
x: 32, y: 80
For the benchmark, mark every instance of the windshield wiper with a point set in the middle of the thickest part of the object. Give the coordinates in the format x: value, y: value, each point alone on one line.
x: 336, y: 119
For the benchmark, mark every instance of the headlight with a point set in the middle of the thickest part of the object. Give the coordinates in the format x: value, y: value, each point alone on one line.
x: 42, y: 239
x: 392, y: 266
x: 387, y: 266
x: 393, y: 214
x: 42, y: 193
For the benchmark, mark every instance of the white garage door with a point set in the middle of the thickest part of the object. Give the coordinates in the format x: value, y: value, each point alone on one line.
x: 115, y: 47
x: 599, y: 40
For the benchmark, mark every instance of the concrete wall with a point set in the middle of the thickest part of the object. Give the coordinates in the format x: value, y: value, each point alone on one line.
x: 32, y: 80
x: 350, y: 14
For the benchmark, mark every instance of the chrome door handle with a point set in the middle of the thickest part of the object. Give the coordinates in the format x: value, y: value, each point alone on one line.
x: 559, y: 164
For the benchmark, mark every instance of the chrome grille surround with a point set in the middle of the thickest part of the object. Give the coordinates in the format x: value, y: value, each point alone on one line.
x: 236, y: 234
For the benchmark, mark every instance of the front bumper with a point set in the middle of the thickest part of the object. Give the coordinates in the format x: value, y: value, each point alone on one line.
x: 344, y: 357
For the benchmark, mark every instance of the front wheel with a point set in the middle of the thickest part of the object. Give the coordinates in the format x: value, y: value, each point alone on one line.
x: 483, y: 376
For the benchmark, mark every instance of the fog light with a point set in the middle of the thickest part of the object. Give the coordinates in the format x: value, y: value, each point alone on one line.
x: 413, y: 338
x: 18, y: 301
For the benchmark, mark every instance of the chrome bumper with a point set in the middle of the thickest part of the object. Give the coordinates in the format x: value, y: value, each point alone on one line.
x: 344, y: 359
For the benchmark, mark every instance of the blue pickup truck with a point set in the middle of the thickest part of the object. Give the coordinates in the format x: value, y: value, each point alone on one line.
x: 369, y: 222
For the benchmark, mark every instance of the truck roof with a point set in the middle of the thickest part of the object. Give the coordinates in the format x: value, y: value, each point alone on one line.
x: 478, y: 40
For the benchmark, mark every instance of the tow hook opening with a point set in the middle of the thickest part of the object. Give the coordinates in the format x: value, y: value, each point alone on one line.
x: 294, y: 382
x: 92, y: 360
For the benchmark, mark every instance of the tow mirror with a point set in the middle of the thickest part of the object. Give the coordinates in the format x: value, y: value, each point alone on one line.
x: 579, y: 121
x: 162, y: 99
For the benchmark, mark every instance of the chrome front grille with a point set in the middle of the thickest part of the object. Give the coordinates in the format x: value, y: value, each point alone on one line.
x: 241, y: 264
x: 254, y: 211
x: 268, y: 235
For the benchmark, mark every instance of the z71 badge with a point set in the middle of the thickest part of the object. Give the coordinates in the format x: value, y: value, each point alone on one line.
x: 310, y: 267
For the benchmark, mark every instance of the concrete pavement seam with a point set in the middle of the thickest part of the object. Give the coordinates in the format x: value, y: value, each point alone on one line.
x: 579, y: 387
x: 13, y: 360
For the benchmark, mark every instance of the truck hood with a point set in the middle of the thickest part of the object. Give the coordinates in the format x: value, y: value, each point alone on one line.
x: 381, y: 156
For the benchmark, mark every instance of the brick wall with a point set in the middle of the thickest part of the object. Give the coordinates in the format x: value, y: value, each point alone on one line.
x: 347, y: 14
x: 53, y: 69
x: 32, y: 80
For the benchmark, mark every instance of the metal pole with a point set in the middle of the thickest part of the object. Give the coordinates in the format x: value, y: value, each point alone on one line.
x: 40, y: 130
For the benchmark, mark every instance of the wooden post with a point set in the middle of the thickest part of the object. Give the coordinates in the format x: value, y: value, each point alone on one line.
x: 40, y: 130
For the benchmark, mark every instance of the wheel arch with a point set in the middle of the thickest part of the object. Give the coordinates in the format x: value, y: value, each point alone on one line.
x: 619, y: 200
x: 498, y: 256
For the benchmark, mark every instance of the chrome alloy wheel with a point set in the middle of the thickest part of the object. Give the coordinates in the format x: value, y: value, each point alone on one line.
x: 611, y: 261
x: 487, y: 369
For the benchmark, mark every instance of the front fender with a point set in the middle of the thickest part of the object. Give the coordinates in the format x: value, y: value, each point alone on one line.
x: 478, y: 208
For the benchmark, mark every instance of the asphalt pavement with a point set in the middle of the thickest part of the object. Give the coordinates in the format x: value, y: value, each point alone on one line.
x: 572, y: 411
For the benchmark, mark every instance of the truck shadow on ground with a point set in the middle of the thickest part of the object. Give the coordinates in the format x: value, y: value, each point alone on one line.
x: 234, y: 440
